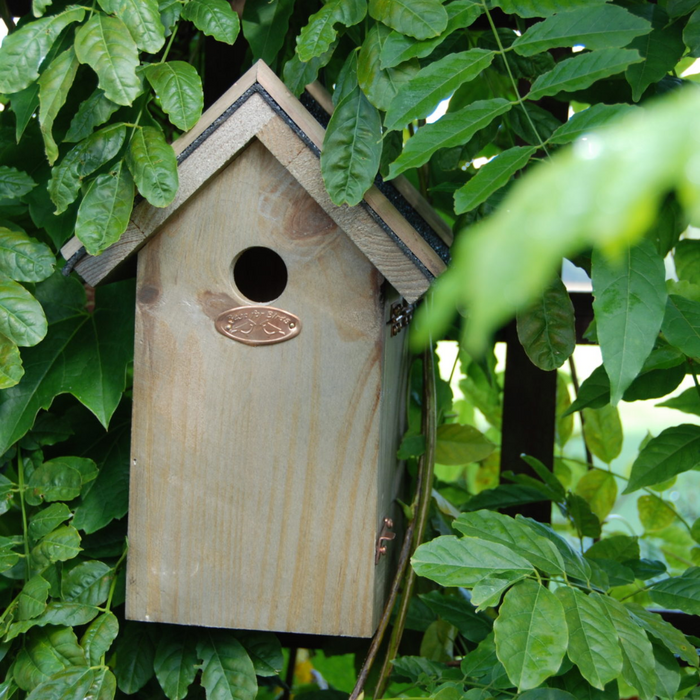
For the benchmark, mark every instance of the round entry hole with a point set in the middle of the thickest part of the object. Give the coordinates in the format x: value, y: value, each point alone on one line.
x: 260, y: 274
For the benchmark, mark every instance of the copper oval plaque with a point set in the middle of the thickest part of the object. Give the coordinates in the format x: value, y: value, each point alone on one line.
x: 258, y: 325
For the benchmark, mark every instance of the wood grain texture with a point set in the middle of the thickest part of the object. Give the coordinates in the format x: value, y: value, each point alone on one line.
x: 224, y: 143
x: 256, y: 496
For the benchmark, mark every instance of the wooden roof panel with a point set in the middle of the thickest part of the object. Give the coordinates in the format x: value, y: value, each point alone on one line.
x: 260, y: 106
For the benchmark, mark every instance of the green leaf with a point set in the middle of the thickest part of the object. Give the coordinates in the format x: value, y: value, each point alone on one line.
x: 227, y: 671
x: 673, y: 451
x: 99, y: 636
x: 599, y: 489
x: 265, y: 25
x: 381, y: 86
x: 668, y: 673
x: 587, y: 120
x: 214, y: 18
x: 318, y: 35
x: 461, y: 444
x: 105, y: 210
x: 674, y: 640
x: 81, y: 161
x: 399, y: 47
x: 582, y: 517
x: 421, y: 19
x: 491, y: 177
x: 691, y: 34
x: 87, y: 583
x: 454, y: 129
x: 634, y: 644
x: 661, y: 50
x: 32, y: 598
x: 531, y: 634
x: 39, y: 7
x: 54, y: 84
x: 153, y: 164
x: 630, y: 298
x: 541, y: 8
x: 459, y: 612
x: 104, y: 685
x: 602, y: 27
x: 104, y: 43
x: 298, y: 75
x: 688, y: 402
x: 487, y: 593
x: 654, y: 513
x: 680, y: 592
x: 56, y: 480
x: 73, y: 682
x: 264, y: 650
x: 93, y: 112
x: 179, y: 89
x: 23, y: 51
x: 24, y: 104
x: 108, y: 498
x: 175, y: 664
x: 14, y: 183
x: 68, y: 614
x: 44, y: 653
x: 142, y: 19
x: 564, y: 422
x: 513, y: 534
x: 135, y: 655
x: 546, y: 694
x: 686, y: 259
x: 676, y: 8
x: 7, y: 489
x: 681, y: 324
x: 419, y: 97
x: 603, y: 432
x: 351, y: 149
x: 81, y: 356
x: 581, y: 71
x: 593, y: 645
x: 22, y: 319
x: 24, y: 259
x: 48, y: 519
x: 60, y: 545
x: 450, y: 561
x: 546, y: 329
x: 545, y: 473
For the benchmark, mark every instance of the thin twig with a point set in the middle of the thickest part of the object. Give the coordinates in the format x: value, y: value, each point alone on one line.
x: 424, y: 494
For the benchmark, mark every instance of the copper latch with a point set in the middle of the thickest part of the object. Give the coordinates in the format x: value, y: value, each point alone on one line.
x: 386, y: 535
x: 401, y: 316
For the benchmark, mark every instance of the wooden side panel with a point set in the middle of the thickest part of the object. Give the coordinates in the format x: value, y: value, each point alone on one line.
x: 254, y: 469
x: 393, y: 425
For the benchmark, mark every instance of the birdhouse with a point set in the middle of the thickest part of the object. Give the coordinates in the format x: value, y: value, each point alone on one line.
x: 269, y: 376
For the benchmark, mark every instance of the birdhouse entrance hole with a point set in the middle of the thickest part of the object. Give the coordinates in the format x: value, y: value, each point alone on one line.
x: 260, y: 274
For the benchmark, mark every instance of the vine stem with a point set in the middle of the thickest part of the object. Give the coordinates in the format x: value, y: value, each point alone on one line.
x: 113, y: 585
x: 25, y: 529
x: 502, y: 51
x: 424, y: 492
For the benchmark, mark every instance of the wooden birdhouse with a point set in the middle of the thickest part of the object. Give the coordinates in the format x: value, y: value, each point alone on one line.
x: 268, y: 385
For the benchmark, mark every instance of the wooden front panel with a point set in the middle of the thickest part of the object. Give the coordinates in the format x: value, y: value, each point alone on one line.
x: 254, y: 469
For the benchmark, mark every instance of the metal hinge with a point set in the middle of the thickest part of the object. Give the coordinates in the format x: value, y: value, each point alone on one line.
x: 386, y: 535
x: 401, y: 316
